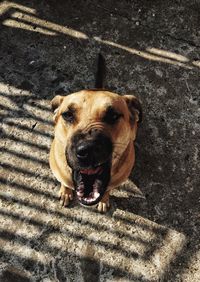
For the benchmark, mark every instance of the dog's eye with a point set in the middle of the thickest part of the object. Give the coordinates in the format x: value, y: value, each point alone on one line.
x: 111, y: 116
x: 69, y: 116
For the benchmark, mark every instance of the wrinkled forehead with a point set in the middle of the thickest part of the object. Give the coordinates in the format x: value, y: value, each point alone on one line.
x: 93, y: 101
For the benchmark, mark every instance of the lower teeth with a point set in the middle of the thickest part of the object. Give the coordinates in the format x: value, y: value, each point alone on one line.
x: 92, y: 197
x: 96, y: 195
x: 80, y: 194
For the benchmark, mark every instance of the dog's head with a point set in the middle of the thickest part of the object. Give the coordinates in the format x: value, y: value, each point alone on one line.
x: 94, y: 128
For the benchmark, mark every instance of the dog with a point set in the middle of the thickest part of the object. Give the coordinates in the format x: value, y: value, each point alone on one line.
x: 93, y: 147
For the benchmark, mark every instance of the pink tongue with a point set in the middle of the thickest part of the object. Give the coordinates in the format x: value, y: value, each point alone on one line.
x: 91, y: 171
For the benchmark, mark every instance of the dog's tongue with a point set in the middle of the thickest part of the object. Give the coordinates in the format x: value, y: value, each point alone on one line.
x: 91, y: 171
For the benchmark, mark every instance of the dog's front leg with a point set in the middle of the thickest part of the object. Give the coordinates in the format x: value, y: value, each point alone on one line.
x: 104, y: 204
x: 65, y: 195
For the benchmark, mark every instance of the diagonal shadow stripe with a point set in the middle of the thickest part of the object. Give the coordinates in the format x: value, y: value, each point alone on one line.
x: 28, y: 129
x: 27, y: 172
x: 41, y: 107
x: 66, y: 217
x: 77, y: 237
x: 104, y: 245
x: 33, y: 242
x: 30, y: 263
x: 26, y: 263
x: 25, y: 156
x: 24, y: 113
x: 25, y: 142
x: 25, y: 188
x: 155, y: 227
x: 77, y: 220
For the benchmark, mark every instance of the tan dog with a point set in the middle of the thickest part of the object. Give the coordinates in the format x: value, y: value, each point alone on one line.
x: 93, y: 149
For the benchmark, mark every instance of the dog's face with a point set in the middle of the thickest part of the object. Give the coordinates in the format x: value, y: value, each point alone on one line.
x: 94, y: 128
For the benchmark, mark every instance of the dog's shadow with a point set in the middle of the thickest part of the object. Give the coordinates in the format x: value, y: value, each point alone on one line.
x: 127, y: 197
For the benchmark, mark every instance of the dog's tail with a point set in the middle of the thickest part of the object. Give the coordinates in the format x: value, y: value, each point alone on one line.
x: 101, y: 72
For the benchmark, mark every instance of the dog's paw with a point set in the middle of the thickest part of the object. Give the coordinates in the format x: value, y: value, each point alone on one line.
x: 104, y: 204
x: 65, y: 195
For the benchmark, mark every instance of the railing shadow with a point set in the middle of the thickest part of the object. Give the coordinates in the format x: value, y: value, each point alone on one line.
x: 48, y: 230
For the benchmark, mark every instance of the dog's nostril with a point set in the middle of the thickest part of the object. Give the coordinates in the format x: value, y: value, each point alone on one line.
x: 82, y: 151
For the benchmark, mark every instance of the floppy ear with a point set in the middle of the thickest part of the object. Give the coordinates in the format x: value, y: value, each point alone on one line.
x: 135, y: 107
x: 56, y: 101
x: 55, y: 104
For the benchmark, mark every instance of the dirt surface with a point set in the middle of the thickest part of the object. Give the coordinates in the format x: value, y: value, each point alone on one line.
x: 152, y: 49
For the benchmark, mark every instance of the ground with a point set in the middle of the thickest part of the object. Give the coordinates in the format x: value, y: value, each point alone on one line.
x: 151, y: 232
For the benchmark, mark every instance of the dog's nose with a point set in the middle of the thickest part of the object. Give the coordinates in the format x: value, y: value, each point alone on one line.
x: 90, y: 151
x: 83, y: 151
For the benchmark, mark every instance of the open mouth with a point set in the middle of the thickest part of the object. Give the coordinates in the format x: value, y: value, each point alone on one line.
x: 91, y: 183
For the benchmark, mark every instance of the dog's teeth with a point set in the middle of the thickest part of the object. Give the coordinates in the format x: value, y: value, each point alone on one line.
x: 88, y: 200
x: 80, y: 194
x: 91, y: 195
x: 96, y: 195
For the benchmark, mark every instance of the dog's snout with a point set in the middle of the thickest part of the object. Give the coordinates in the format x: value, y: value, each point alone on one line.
x: 88, y: 150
